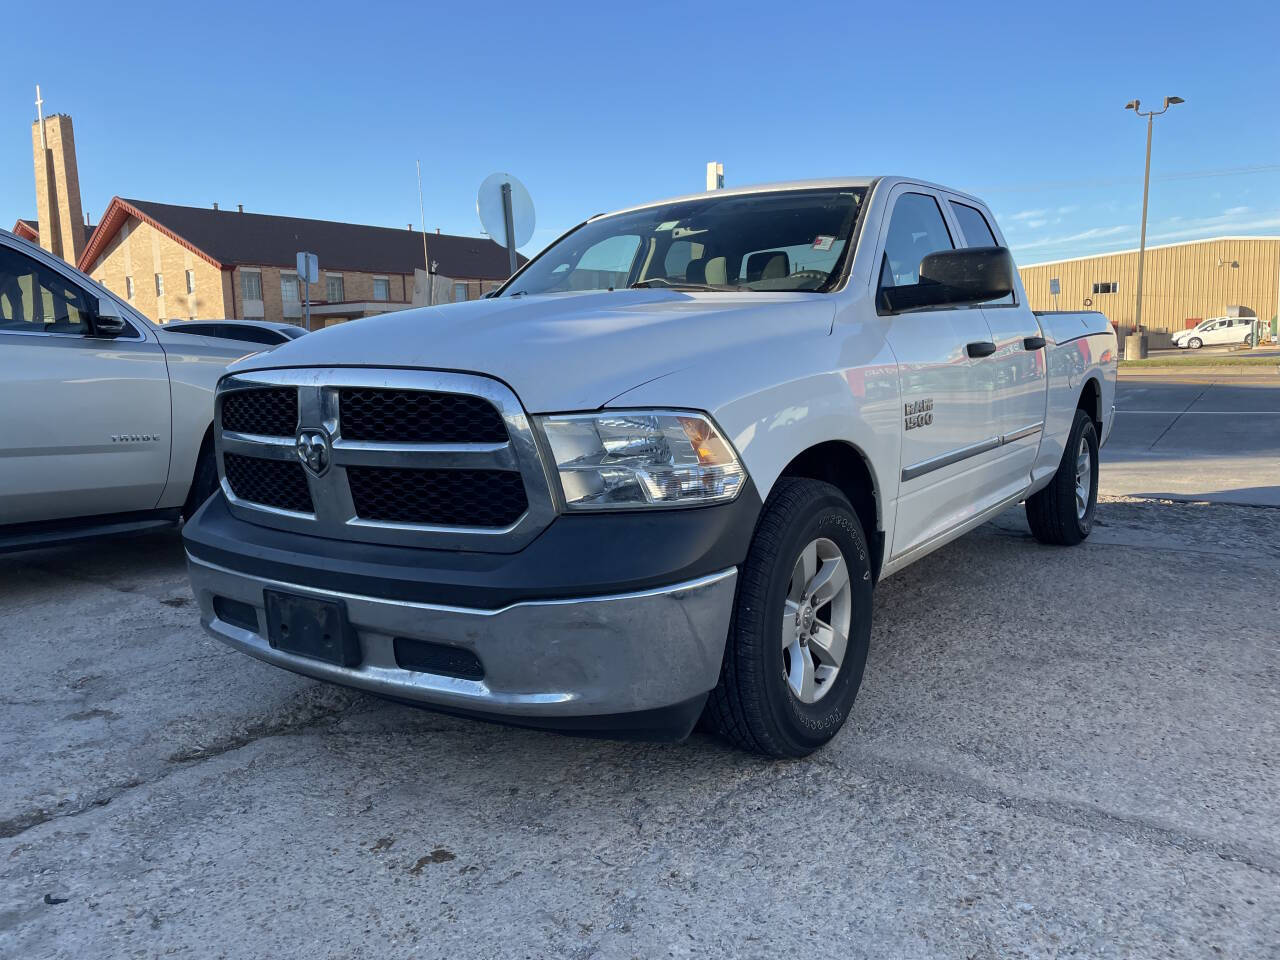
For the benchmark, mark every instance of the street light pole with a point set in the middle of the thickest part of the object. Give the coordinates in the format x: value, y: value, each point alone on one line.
x: 1137, y: 341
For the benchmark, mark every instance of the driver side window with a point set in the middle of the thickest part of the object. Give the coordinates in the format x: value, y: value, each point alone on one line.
x: 916, y: 230
x: 35, y: 298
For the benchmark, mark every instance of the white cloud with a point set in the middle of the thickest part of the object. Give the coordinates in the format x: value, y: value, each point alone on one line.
x: 1093, y: 233
x: 1097, y: 240
x: 1028, y: 215
x: 1036, y: 224
x: 1068, y: 209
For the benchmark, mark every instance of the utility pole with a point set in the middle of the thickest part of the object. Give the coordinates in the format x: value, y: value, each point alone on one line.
x: 1137, y: 341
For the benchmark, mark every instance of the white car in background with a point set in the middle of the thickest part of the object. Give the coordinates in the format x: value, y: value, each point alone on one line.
x: 1215, y: 331
x: 105, y: 418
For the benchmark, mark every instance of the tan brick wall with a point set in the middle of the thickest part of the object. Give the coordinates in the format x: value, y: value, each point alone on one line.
x: 140, y: 251
x: 356, y: 285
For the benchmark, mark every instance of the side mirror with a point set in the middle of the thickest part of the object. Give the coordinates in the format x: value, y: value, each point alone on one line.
x: 107, y: 322
x: 971, y: 275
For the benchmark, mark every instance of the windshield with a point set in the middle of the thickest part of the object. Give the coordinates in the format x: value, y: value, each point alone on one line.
x: 787, y: 240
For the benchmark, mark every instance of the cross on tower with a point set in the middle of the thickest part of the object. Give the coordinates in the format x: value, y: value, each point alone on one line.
x: 40, y: 117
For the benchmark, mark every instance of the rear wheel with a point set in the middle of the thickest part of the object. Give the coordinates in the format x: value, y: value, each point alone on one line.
x: 1062, y: 513
x: 801, y: 628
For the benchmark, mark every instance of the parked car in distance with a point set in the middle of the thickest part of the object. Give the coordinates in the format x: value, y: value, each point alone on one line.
x: 248, y: 331
x: 105, y: 418
x: 1215, y: 331
x: 659, y: 474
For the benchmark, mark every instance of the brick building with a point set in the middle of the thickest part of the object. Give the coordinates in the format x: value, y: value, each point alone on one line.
x: 180, y: 263
x: 174, y: 262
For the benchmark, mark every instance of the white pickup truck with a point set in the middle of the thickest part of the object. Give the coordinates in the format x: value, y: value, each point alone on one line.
x: 658, y: 475
x: 105, y: 419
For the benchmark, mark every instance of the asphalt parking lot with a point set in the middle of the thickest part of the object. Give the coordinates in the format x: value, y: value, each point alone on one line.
x: 1051, y: 756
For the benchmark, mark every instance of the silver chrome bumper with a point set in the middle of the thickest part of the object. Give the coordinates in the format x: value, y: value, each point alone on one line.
x: 545, y: 658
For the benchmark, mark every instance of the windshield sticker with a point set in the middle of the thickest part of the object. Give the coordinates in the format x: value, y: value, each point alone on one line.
x: 823, y: 243
x: 670, y: 224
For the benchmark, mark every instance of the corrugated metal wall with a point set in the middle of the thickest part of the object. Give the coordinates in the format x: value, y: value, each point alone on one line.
x: 1181, y: 282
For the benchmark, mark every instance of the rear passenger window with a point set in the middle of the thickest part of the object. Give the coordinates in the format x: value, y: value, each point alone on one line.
x: 916, y: 230
x: 977, y: 233
x: 974, y: 226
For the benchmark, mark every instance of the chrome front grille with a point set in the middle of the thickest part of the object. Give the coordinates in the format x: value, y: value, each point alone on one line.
x: 268, y: 412
x: 421, y: 416
x: 478, y: 498
x: 271, y: 483
x: 401, y: 457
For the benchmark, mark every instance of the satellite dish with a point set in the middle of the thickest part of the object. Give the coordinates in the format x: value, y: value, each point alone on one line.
x: 493, y: 219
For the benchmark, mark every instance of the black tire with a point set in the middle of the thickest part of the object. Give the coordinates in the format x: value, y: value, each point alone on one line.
x: 753, y: 706
x: 1195, y: 343
x: 1053, y: 513
x: 204, y: 482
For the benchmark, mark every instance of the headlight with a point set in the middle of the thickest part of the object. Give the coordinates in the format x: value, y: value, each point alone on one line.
x: 623, y: 459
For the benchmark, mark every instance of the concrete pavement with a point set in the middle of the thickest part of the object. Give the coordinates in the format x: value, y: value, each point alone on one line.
x: 1039, y: 765
x: 1210, y: 437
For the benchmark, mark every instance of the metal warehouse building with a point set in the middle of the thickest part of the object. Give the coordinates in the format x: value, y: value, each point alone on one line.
x: 1182, y: 282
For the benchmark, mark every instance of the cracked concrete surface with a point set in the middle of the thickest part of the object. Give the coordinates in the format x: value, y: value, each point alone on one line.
x: 1043, y: 762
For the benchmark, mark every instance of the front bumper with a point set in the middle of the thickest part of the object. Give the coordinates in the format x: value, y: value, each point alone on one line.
x: 579, y: 660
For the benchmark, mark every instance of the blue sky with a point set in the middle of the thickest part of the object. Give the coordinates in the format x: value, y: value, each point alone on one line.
x: 597, y: 106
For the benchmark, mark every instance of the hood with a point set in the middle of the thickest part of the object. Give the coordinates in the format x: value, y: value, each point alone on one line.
x: 561, y: 352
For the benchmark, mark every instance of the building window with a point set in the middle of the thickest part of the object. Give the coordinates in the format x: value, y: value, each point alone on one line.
x: 333, y: 288
x: 159, y: 285
x: 289, y: 292
x: 381, y: 288
x: 128, y: 287
x: 191, y: 281
x: 251, y: 284
x: 1111, y: 287
x: 459, y: 292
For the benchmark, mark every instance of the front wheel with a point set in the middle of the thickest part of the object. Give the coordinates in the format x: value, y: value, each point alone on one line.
x: 203, y: 482
x: 801, y: 627
x: 1195, y: 343
x: 1062, y: 513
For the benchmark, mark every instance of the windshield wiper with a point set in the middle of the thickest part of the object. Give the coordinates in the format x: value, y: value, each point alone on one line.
x: 683, y: 284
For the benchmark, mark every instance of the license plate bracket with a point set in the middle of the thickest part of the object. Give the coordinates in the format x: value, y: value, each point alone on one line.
x: 313, y: 628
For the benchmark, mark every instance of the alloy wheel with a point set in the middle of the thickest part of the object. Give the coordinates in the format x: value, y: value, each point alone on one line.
x: 815, y: 620
x: 1084, y: 478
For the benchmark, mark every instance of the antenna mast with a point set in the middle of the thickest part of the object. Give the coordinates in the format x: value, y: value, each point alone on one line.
x: 426, y: 262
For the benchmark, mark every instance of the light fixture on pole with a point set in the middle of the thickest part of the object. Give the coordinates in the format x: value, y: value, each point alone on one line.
x: 1137, y: 341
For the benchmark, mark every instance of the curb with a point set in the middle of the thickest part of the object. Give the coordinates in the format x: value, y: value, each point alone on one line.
x: 1246, y: 370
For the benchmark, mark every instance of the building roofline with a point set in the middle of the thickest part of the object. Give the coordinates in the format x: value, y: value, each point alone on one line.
x: 1158, y: 246
x: 24, y: 227
x: 118, y: 211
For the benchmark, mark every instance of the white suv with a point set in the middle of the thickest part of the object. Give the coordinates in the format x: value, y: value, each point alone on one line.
x: 104, y: 418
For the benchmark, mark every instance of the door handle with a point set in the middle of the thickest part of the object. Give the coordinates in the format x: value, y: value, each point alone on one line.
x: 983, y: 348
x: 1032, y: 343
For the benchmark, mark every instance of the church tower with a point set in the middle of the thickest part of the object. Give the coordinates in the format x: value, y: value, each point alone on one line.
x: 58, y: 209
